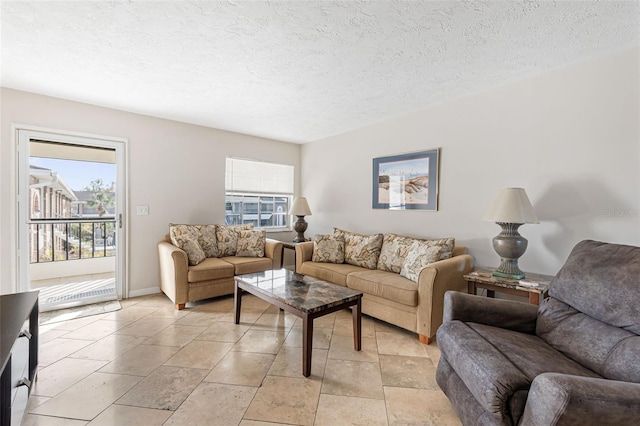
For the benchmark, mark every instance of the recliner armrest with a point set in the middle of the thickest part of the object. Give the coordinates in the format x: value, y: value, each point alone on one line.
x: 556, y: 398
x: 509, y: 314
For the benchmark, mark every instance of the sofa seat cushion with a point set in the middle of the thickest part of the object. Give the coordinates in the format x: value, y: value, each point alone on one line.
x: 332, y: 272
x: 249, y: 265
x: 387, y: 285
x: 498, y: 365
x: 210, y: 269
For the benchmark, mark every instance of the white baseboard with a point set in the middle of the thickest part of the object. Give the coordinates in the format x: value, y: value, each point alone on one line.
x: 144, y: 291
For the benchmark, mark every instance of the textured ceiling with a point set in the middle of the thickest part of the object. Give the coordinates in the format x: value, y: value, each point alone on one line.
x: 296, y: 71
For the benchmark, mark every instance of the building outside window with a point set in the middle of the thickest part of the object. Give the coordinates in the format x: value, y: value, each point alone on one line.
x: 258, y: 192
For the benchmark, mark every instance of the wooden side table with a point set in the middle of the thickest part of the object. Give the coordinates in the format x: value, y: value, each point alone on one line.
x: 534, y: 286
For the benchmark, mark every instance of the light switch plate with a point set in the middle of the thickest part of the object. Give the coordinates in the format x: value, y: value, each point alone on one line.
x: 142, y: 210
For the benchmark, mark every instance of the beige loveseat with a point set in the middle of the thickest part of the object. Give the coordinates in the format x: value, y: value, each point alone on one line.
x: 184, y: 282
x: 388, y: 296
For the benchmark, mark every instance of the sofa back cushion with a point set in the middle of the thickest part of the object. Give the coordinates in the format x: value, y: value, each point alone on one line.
x: 328, y: 248
x: 361, y: 250
x: 251, y: 243
x: 393, y: 252
x: 185, y: 237
x: 601, y: 280
x: 207, y: 240
x: 204, y: 235
x: 420, y: 256
x: 227, y: 238
x: 396, y: 248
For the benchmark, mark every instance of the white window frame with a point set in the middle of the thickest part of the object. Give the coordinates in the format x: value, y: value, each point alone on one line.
x: 245, y: 191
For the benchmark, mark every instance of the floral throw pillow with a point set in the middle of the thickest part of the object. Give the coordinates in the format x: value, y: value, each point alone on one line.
x: 420, y: 256
x: 195, y: 254
x: 178, y: 231
x: 251, y: 243
x: 207, y: 240
x: 227, y: 238
x: 185, y: 237
x: 205, y: 235
x: 447, y: 245
x: 394, y: 250
x: 361, y: 250
x: 328, y: 249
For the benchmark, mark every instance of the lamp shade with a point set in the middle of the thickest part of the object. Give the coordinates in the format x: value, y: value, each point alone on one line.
x: 511, y: 205
x: 300, y: 207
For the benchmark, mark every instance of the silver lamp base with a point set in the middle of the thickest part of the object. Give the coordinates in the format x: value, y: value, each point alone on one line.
x: 510, y: 245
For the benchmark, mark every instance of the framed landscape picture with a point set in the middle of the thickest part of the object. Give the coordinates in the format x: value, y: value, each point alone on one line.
x: 406, y: 181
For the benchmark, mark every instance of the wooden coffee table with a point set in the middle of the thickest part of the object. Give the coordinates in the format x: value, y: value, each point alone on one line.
x: 305, y: 297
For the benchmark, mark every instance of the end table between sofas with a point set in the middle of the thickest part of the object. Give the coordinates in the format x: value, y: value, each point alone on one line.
x: 482, y: 278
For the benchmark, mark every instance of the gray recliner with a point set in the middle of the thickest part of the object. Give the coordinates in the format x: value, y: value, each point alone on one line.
x: 574, y: 360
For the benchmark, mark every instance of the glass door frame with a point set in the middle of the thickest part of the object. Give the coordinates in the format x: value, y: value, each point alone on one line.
x: 24, y: 134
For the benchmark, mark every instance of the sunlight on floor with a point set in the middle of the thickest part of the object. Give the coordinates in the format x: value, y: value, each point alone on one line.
x: 75, y: 289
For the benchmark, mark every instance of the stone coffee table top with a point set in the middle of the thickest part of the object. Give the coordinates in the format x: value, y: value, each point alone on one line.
x: 302, y: 292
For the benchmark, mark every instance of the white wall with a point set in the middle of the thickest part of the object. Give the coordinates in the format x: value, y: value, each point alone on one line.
x: 571, y: 138
x: 176, y: 169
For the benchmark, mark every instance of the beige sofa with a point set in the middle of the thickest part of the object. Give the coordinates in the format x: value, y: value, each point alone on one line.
x: 212, y: 277
x: 417, y: 307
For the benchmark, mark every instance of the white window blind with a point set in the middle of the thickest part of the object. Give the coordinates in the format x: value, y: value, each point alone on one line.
x: 258, y: 177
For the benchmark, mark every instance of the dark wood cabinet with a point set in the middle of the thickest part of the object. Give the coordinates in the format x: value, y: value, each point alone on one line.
x: 19, y: 352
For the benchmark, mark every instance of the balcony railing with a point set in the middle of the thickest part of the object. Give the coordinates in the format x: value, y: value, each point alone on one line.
x: 62, y: 239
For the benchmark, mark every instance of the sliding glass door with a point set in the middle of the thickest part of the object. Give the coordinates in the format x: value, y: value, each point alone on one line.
x: 71, y: 237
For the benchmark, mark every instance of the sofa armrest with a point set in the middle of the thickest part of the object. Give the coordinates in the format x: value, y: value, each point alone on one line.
x: 174, y: 267
x: 557, y: 399
x: 509, y: 314
x: 304, y: 253
x: 273, y: 250
x: 433, y: 282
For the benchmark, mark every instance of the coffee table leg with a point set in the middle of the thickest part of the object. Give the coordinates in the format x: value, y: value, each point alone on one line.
x: 307, y: 344
x: 357, y: 325
x: 237, y: 296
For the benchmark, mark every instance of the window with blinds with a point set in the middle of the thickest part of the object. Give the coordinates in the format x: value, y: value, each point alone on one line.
x: 258, y: 192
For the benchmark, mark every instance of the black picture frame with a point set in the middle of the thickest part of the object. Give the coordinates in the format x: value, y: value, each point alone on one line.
x: 406, y: 181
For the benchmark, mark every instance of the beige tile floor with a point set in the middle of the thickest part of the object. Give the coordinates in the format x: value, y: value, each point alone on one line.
x: 148, y: 364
